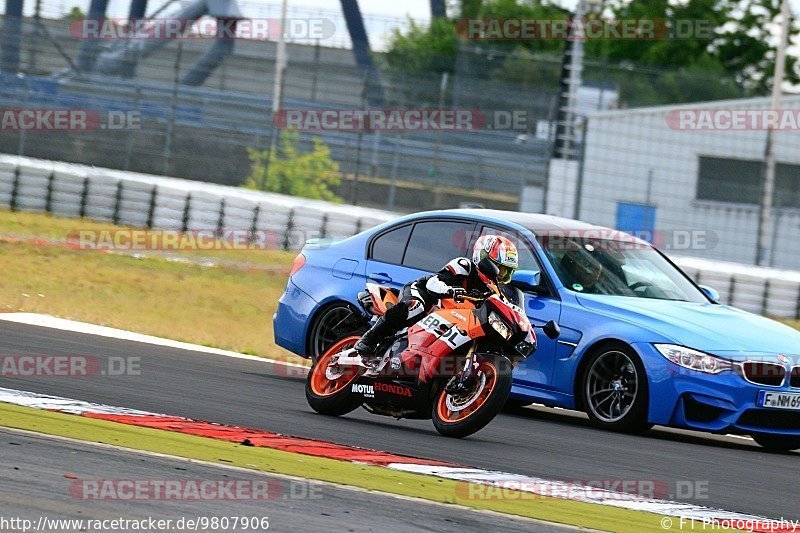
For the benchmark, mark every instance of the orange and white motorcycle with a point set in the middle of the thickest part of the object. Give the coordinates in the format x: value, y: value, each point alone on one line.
x: 453, y: 366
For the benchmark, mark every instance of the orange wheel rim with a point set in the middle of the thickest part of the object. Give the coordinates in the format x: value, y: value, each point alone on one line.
x: 447, y: 415
x: 320, y: 384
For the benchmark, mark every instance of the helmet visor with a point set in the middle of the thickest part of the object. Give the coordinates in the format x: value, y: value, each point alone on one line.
x: 505, y: 273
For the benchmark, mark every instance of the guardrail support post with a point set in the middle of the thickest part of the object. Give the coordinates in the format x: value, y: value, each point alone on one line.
x: 254, y: 224
x: 151, y: 211
x: 731, y: 289
x: 12, y: 204
x: 221, y: 217
x: 187, y: 208
x: 797, y: 311
x: 765, y: 298
x: 84, y: 197
x: 117, y: 202
x: 48, y: 202
x: 323, y: 228
x: 289, y: 228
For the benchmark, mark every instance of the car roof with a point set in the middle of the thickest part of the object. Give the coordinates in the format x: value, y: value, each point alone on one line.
x: 532, y: 221
x: 539, y: 223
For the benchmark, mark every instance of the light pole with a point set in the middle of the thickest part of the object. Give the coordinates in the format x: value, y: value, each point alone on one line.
x: 763, y: 253
x: 277, y: 90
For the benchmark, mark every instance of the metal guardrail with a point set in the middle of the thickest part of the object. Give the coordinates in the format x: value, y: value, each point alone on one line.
x: 140, y: 200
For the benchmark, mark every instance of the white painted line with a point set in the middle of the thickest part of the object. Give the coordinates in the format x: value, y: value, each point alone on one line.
x: 47, y: 321
x: 65, y: 405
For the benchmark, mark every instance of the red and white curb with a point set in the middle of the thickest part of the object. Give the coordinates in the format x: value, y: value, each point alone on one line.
x: 261, y: 438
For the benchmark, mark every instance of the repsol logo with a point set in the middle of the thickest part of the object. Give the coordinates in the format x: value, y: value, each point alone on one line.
x: 366, y: 390
x: 393, y: 389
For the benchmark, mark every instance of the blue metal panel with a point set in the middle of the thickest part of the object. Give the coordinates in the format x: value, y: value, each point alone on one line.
x: 638, y: 219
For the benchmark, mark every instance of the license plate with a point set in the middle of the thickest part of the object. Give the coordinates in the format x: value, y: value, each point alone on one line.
x: 779, y: 400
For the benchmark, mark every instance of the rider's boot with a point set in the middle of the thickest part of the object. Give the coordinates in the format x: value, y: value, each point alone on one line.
x: 367, y: 345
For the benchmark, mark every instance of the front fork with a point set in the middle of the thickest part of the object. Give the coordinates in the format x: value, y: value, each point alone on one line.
x: 464, y: 379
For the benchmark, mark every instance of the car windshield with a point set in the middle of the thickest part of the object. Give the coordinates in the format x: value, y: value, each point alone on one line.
x: 617, y: 268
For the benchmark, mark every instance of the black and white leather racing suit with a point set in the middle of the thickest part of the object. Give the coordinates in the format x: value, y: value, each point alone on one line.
x: 459, y: 276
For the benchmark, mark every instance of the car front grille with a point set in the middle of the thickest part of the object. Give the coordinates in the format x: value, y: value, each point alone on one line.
x: 769, y: 374
x: 770, y: 419
x: 794, y: 380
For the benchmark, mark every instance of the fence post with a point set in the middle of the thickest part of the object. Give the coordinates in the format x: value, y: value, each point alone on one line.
x: 48, y: 202
x: 765, y: 298
x: 151, y: 211
x: 289, y: 228
x: 117, y: 203
x: 12, y: 204
x: 84, y: 197
x: 187, y: 207
x: 731, y: 289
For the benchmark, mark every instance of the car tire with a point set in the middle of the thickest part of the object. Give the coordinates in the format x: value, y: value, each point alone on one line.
x: 614, y: 390
x: 778, y: 443
x: 324, y: 333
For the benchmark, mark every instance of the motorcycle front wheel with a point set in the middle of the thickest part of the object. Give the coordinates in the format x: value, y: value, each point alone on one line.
x: 332, y: 395
x: 463, y: 415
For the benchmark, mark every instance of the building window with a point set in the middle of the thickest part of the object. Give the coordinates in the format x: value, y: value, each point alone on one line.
x: 739, y: 181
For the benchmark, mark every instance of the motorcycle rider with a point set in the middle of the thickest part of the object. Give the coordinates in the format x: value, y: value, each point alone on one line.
x: 494, y: 260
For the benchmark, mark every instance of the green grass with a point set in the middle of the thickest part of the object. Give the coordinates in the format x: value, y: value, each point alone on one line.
x: 341, y: 472
x: 223, y: 307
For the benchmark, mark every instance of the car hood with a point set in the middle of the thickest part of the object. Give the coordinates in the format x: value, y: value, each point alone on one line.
x: 717, y: 329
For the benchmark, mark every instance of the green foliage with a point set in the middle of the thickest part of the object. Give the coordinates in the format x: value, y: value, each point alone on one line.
x: 75, y: 14
x: 730, y: 54
x: 309, y: 175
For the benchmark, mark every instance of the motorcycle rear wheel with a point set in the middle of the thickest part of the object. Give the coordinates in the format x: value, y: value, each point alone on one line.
x: 462, y: 416
x: 332, y: 397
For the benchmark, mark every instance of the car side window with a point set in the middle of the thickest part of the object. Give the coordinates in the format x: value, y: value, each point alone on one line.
x: 390, y: 246
x: 435, y: 243
x: 527, y: 258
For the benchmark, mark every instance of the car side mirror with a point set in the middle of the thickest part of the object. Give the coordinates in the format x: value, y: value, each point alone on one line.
x: 527, y: 280
x: 552, y: 330
x: 710, y: 293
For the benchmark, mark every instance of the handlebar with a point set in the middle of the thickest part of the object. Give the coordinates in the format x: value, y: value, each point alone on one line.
x: 476, y: 299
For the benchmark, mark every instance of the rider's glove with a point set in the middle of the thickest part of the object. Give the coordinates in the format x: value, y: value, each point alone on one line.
x: 456, y: 292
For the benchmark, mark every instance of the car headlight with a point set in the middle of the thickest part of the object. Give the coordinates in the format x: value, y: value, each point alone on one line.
x: 499, y: 326
x: 694, y: 359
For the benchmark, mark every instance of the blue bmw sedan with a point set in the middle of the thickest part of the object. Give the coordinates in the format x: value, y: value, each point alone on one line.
x: 640, y: 344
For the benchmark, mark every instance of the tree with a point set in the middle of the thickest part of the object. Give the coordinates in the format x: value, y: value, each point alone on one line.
x: 309, y: 175
x: 730, y: 54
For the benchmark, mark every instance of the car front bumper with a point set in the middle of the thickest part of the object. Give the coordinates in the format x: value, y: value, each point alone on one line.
x: 720, y: 403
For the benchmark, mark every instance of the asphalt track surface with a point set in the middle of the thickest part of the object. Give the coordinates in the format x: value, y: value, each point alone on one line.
x: 33, y: 485
x: 716, y: 471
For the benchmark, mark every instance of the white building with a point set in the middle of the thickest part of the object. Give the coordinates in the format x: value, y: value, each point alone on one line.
x: 692, y: 173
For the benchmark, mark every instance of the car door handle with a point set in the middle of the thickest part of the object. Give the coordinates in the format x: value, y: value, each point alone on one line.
x: 380, y: 277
